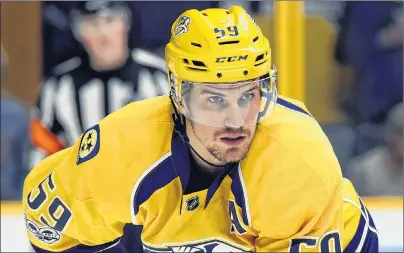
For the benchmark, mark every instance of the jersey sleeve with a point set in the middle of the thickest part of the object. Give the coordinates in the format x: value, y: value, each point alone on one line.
x: 302, y: 212
x: 71, y: 200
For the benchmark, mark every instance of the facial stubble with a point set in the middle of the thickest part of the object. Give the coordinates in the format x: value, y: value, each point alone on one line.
x: 230, y: 154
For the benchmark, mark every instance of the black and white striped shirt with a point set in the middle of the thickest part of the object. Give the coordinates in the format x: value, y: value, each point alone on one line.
x: 77, y: 97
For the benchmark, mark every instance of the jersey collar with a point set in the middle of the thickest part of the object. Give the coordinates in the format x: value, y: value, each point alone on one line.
x: 181, y: 159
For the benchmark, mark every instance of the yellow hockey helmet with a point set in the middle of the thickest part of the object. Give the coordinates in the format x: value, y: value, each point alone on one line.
x: 220, y: 48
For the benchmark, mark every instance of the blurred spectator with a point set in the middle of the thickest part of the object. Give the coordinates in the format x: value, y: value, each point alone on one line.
x: 369, y: 52
x: 342, y: 135
x: 380, y: 170
x: 375, y: 49
x: 14, y: 141
x: 84, y: 89
x: 346, y: 74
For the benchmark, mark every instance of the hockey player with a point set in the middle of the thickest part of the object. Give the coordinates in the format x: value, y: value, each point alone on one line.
x: 221, y: 165
x: 83, y: 90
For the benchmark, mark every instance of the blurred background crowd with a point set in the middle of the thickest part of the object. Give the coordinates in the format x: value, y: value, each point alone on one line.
x: 96, y: 56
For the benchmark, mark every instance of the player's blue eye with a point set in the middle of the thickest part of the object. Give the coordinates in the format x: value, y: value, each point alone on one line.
x: 216, y: 100
x: 247, y: 96
x: 245, y: 99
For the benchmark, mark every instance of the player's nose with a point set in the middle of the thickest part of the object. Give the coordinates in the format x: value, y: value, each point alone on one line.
x: 234, y: 117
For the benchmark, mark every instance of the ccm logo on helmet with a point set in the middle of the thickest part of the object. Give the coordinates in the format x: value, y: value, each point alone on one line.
x: 231, y: 58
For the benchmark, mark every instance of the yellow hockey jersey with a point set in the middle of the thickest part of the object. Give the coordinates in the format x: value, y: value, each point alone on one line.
x: 131, y: 169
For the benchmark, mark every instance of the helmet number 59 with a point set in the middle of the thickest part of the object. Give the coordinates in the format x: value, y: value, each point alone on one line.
x: 231, y: 31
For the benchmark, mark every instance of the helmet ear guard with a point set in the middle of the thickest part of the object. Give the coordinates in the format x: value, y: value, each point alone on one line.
x: 174, y: 93
x: 178, y: 115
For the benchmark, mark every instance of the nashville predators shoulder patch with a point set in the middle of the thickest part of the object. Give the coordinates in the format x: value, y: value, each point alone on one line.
x: 89, y: 144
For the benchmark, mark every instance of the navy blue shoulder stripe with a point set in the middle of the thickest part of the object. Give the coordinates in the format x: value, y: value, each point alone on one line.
x: 158, y: 176
x: 291, y: 106
x: 366, y: 238
x: 238, y: 192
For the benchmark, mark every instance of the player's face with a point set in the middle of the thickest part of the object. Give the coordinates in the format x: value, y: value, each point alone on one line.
x: 232, y: 114
x: 105, y: 39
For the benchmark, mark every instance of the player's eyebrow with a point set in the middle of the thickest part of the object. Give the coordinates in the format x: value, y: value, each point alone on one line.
x: 206, y: 91
x: 210, y: 92
x: 249, y: 90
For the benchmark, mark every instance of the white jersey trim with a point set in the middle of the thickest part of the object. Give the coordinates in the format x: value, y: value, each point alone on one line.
x: 246, y: 201
x: 367, y: 227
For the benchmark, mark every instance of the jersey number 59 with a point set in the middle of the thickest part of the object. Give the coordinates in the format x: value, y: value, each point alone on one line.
x: 53, y: 211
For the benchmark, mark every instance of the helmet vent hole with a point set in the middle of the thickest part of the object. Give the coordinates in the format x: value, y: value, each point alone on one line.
x: 227, y: 12
x: 196, y: 44
x: 255, y: 39
x: 259, y: 57
x: 260, y: 63
x: 245, y: 72
x: 196, y: 69
x: 229, y: 42
x: 186, y: 61
x: 199, y: 63
x: 219, y: 75
x: 203, y: 13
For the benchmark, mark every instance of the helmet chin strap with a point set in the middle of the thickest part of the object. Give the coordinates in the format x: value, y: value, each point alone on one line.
x: 179, y: 127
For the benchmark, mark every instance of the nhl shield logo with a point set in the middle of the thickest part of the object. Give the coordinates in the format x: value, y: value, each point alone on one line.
x: 192, y: 203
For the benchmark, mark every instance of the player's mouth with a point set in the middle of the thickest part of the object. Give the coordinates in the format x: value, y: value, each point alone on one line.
x: 233, y: 140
